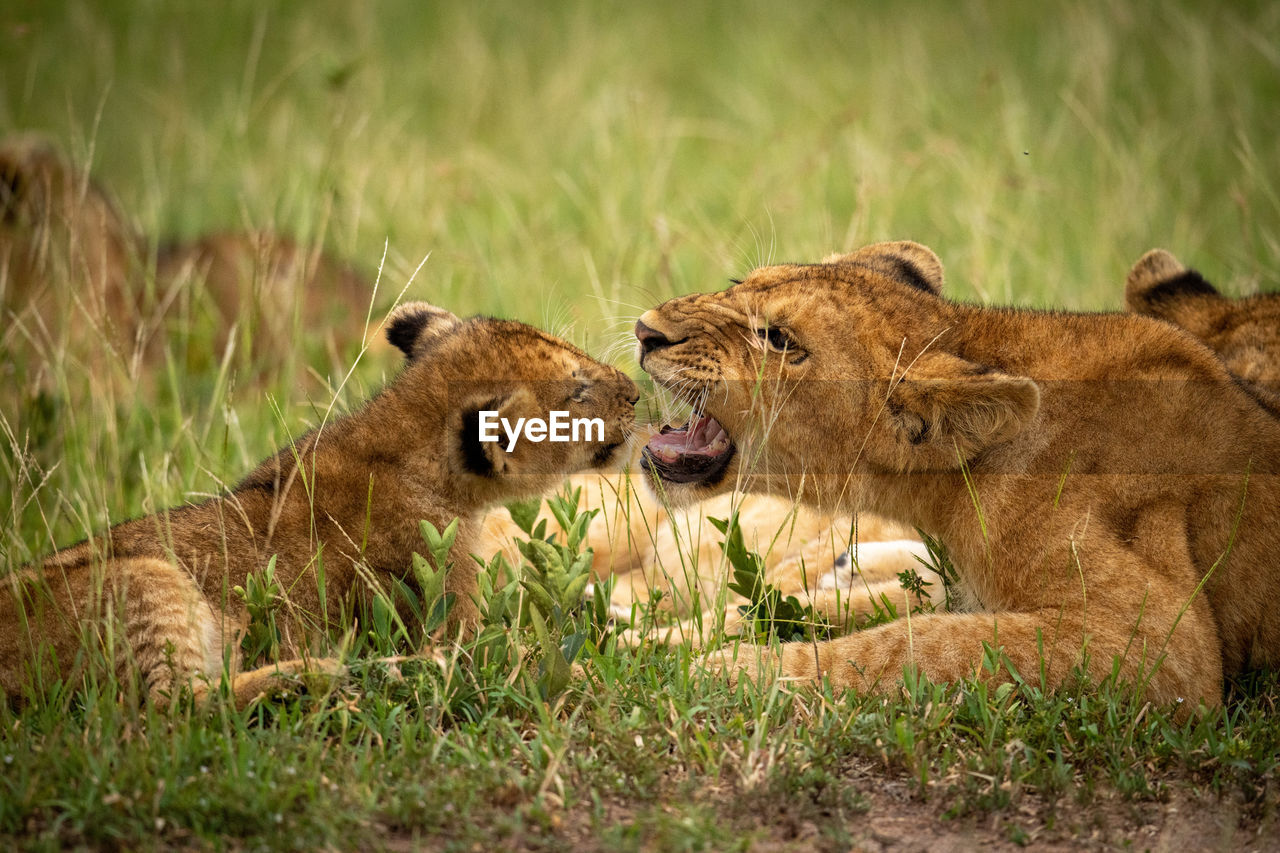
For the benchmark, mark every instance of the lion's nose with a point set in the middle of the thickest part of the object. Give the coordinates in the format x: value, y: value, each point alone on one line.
x: 650, y: 339
x: 630, y: 391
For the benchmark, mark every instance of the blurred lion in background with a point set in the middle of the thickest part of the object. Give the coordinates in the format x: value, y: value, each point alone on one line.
x: 76, y: 273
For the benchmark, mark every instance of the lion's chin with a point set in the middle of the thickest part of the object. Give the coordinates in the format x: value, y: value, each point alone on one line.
x: 696, y: 454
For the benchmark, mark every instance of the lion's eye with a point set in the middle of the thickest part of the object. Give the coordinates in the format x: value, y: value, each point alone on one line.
x: 779, y: 341
x: 775, y: 338
x: 580, y: 393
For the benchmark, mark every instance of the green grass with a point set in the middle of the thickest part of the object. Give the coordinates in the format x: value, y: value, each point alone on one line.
x: 570, y: 166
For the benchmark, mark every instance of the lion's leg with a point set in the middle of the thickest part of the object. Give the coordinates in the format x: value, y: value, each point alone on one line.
x: 1045, y: 647
x: 280, y: 679
x: 852, y: 591
x: 873, y: 562
x: 142, y: 616
x: 694, y: 632
x: 840, y: 608
x: 174, y: 636
x: 844, y: 609
x: 844, y: 594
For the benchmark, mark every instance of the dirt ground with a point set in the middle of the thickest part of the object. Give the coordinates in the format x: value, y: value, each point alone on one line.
x: 891, y: 816
x: 1187, y: 821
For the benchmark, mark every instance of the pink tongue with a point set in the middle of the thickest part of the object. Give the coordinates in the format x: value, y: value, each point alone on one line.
x: 704, y: 431
x: 697, y: 437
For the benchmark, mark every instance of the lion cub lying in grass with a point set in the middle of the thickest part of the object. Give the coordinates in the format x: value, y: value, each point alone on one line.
x: 1244, y: 332
x: 338, y: 509
x: 1107, y: 490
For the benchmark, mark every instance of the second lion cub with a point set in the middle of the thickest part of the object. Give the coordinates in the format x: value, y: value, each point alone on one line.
x: 338, y: 509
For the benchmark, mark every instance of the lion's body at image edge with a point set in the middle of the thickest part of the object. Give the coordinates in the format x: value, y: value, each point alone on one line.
x: 1244, y: 332
x: 1106, y: 488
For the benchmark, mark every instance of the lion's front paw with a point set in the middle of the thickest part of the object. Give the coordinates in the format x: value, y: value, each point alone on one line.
x: 744, y: 662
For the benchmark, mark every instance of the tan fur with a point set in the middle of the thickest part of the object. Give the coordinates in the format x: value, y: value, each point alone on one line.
x: 74, y: 271
x: 155, y: 593
x: 671, y: 558
x: 1245, y: 332
x: 1106, y: 489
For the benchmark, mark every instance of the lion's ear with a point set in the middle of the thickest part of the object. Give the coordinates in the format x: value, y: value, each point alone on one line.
x: 1159, y: 285
x: 414, y: 326
x: 947, y: 410
x: 482, y: 436
x: 902, y: 260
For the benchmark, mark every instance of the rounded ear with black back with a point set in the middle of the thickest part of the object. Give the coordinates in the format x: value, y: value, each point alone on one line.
x: 902, y: 260
x: 415, y: 326
x: 947, y: 410
x: 1159, y: 285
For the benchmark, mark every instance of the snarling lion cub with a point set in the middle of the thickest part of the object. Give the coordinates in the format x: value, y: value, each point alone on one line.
x: 347, y: 496
x: 1107, y: 490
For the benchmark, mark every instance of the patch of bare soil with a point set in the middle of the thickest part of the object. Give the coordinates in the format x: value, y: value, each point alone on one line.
x: 878, y: 811
x: 1187, y: 821
x: 888, y: 815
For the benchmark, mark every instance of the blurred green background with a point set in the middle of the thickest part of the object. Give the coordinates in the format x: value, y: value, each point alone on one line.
x: 545, y: 154
x: 572, y: 163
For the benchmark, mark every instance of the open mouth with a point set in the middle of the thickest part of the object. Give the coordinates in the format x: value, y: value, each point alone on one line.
x: 697, y: 452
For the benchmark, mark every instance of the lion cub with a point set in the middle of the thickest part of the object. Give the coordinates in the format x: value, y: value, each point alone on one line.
x: 1106, y: 488
x: 1245, y: 332
x: 338, y: 509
